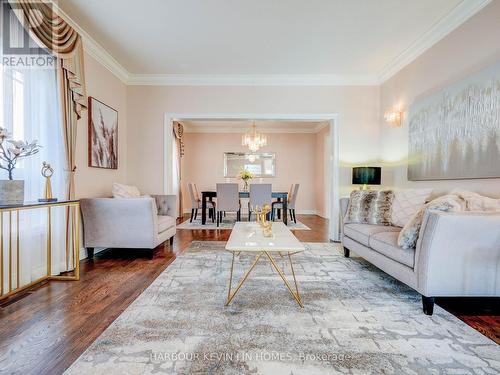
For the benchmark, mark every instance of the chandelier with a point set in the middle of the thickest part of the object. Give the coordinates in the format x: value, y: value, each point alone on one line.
x: 253, y: 139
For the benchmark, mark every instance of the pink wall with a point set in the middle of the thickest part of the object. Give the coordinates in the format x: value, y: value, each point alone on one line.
x: 472, y: 46
x: 203, y: 163
x: 358, y: 108
x: 103, y: 85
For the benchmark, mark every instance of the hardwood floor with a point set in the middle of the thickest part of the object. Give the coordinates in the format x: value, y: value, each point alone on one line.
x: 47, y: 328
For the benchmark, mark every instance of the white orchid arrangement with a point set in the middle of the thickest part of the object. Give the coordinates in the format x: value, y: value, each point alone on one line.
x: 9, y: 155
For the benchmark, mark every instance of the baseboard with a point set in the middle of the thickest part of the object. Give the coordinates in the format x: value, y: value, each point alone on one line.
x: 306, y: 212
x: 322, y: 215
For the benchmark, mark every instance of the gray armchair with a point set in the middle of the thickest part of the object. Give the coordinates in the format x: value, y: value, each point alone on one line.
x: 128, y: 223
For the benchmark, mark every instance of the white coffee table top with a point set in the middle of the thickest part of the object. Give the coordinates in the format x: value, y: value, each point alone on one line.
x: 248, y: 236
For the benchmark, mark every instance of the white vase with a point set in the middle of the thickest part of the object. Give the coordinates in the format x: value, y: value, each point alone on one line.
x: 11, y: 192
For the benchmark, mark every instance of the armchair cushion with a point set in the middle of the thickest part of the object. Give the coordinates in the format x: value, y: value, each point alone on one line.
x: 166, y: 205
x: 125, y: 191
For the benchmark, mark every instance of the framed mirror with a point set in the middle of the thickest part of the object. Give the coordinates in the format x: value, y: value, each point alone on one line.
x: 259, y: 164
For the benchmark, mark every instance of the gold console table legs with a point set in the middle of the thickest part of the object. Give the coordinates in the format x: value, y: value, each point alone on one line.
x: 8, y: 288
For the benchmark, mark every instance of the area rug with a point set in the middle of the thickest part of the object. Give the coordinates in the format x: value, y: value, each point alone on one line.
x: 356, y: 320
x: 228, y: 223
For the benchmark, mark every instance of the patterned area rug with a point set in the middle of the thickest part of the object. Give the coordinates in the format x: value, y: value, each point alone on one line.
x: 356, y: 320
x: 228, y: 223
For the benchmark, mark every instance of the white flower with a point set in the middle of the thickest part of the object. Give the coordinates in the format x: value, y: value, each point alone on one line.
x: 17, y: 144
x: 23, y: 148
x: 4, y: 133
x: 15, y: 151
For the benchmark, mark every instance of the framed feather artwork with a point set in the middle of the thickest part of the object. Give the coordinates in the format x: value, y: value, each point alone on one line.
x: 103, y: 135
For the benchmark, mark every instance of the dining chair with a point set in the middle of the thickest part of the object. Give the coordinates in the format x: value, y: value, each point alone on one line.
x: 292, y: 198
x: 228, y: 200
x: 196, y: 203
x: 260, y: 194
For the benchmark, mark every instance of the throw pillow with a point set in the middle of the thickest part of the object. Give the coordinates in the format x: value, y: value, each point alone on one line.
x: 125, y: 191
x: 477, y: 202
x: 406, y: 203
x: 407, y: 238
x: 370, y: 207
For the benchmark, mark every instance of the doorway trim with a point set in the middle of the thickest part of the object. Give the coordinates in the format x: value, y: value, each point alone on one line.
x: 334, y: 123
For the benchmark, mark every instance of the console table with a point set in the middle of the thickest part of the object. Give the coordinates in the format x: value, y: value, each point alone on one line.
x: 10, y: 262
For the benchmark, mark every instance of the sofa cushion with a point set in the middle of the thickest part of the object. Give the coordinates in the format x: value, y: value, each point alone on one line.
x: 370, y: 207
x: 386, y: 243
x: 362, y: 232
x: 408, y: 236
x: 165, y: 222
x: 406, y: 203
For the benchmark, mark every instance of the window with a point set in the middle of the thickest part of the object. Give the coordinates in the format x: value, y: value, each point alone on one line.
x: 30, y: 110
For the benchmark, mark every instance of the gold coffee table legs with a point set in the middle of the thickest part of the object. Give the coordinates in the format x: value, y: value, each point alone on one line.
x: 295, y: 293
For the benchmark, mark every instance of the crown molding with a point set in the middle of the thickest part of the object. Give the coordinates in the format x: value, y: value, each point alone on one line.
x: 251, y: 80
x: 94, y: 49
x: 461, y: 13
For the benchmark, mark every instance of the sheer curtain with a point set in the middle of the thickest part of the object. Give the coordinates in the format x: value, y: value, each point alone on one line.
x: 176, y: 185
x: 30, y: 109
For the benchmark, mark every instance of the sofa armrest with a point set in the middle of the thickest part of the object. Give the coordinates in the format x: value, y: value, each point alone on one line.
x: 458, y: 254
x: 166, y: 204
x: 344, y: 205
x: 115, y: 222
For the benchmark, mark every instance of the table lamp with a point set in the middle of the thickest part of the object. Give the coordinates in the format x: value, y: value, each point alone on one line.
x: 366, y: 176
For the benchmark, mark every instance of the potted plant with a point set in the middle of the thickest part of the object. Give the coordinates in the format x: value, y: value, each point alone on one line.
x: 245, y: 175
x: 12, y: 191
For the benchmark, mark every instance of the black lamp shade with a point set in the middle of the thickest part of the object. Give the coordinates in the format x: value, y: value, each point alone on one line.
x: 366, y: 175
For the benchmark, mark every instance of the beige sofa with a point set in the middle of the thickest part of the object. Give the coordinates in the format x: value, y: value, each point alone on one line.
x: 457, y: 254
x: 128, y: 223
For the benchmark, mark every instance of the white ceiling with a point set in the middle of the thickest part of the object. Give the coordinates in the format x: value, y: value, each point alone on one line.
x: 241, y: 126
x: 355, y: 39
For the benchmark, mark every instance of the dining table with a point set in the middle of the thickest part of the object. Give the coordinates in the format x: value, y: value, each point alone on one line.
x: 208, y: 195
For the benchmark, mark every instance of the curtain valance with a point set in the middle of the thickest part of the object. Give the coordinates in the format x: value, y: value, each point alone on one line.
x: 50, y: 31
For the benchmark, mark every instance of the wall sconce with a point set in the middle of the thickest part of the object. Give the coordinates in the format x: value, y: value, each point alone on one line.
x: 393, y: 118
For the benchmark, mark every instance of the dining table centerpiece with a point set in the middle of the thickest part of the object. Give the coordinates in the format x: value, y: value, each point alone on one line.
x: 246, y: 176
x: 11, y: 151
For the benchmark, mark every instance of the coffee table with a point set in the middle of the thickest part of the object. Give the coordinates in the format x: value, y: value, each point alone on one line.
x: 247, y: 237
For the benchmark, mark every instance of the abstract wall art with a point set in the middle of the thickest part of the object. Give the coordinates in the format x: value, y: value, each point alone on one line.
x: 455, y: 133
x: 103, y: 135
